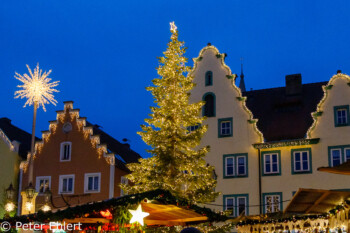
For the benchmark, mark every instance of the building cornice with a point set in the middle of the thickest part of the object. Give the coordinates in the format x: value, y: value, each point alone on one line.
x: 287, y: 143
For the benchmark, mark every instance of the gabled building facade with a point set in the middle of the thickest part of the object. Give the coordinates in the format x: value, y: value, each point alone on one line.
x: 77, y: 161
x: 266, y: 144
x: 14, y: 146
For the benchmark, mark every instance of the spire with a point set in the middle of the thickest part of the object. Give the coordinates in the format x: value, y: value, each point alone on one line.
x: 241, y: 82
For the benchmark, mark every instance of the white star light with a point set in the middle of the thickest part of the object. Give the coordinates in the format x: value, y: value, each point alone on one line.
x: 138, y: 215
x: 173, y: 27
x: 36, y: 87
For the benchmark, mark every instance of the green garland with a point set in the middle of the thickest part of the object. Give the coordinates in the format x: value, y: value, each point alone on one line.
x: 276, y: 219
x: 115, y: 204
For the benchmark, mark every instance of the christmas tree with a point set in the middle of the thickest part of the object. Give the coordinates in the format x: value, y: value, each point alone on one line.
x: 176, y: 165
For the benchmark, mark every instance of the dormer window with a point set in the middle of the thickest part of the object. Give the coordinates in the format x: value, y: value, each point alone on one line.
x: 66, y: 151
x: 208, y: 78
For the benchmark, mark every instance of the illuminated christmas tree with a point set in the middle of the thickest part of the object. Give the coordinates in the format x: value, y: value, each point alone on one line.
x: 174, y: 132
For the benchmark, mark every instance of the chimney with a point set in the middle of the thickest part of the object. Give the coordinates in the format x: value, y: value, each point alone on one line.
x: 293, y: 84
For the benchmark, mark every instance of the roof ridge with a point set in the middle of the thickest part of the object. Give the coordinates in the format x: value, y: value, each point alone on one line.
x: 271, y: 88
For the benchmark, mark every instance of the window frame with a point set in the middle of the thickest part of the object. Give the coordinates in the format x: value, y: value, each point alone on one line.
x: 263, y: 154
x: 222, y: 120
x: 336, y: 108
x: 345, y: 149
x: 86, y: 182
x: 207, y: 78
x: 62, y: 151
x: 265, y: 195
x: 293, y: 161
x: 342, y: 149
x: 195, y: 127
x: 37, y: 183
x: 235, y: 158
x: 60, y: 183
x: 235, y: 197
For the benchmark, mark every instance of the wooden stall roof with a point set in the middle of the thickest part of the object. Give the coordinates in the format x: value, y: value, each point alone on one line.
x: 159, y: 214
x: 315, y: 201
x: 343, y: 169
x: 169, y: 215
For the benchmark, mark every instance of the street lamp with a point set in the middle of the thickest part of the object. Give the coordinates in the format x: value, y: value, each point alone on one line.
x: 10, y: 193
x: 38, y: 91
x: 30, y: 191
x: 47, y: 195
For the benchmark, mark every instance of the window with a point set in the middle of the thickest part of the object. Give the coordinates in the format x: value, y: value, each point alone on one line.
x: 338, y: 154
x: 229, y: 206
x: 66, y: 184
x: 42, y: 184
x: 301, y: 161
x: 123, y: 181
x: 66, y: 149
x: 193, y: 128
x: 209, y: 106
x: 336, y: 157
x: 272, y: 202
x: 236, y: 204
x: 225, y: 127
x: 347, y: 154
x: 209, y: 78
x: 341, y: 115
x: 235, y: 165
x: 92, y: 182
x: 271, y: 162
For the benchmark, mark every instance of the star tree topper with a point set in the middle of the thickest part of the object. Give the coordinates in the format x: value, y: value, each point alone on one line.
x: 173, y: 27
x: 138, y: 215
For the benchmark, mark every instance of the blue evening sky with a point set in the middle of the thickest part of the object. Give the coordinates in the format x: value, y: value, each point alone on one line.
x: 104, y: 52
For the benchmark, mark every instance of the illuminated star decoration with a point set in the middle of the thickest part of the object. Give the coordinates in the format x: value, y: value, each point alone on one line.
x: 138, y: 215
x: 36, y: 87
x: 173, y: 27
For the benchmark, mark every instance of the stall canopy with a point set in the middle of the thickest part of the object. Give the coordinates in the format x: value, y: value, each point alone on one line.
x: 343, y: 169
x: 315, y: 201
x: 162, y: 207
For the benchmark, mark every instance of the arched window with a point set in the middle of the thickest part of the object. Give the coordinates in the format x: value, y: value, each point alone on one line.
x: 209, y: 78
x: 209, y: 106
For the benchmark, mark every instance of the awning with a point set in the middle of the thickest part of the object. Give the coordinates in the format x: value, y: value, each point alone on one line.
x: 159, y: 214
x: 315, y: 201
x: 170, y: 215
x: 343, y: 169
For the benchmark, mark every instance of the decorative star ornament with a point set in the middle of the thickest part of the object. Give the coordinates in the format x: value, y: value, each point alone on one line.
x: 173, y: 27
x: 138, y: 215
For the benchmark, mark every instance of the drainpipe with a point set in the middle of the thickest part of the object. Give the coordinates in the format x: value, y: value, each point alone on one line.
x: 260, y: 207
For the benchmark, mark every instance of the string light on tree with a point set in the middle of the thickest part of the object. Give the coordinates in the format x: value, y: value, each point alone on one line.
x: 176, y: 165
x: 138, y: 215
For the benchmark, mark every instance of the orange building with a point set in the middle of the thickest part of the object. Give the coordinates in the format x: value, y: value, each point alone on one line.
x: 77, y: 161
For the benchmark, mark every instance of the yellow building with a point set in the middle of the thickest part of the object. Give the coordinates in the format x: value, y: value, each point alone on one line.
x: 265, y: 144
x: 14, y: 146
